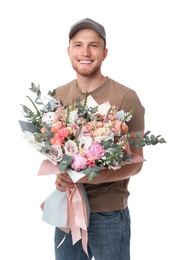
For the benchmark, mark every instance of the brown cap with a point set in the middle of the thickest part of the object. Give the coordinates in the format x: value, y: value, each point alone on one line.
x: 87, y: 23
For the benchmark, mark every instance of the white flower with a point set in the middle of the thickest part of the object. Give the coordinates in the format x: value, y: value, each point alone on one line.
x: 128, y: 117
x: 50, y: 104
x: 49, y: 118
x: 31, y: 140
x: 85, y: 142
x: 103, y: 138
x: 73, y: 116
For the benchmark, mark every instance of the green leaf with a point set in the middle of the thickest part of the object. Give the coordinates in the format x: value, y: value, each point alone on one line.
x: 94, y: 110
x: 107, y: 144
x: 162, y: 140
x: 135, y: 144
x: 34, y: 88
x: 52, y: 93
x: 92, y: 172
x: 107, y: 154
x: 92, y: 175
x: 38, y: 101
x: 66, y: 161
x: 153, y: 138
x: 91, y: 169
x: 139, y: 135
x: 142, y: 143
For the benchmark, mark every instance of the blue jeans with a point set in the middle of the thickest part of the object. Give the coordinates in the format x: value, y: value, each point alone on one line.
x: 108, y: 238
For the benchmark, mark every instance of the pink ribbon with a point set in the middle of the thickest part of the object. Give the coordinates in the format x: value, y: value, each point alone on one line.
x: 77, y: 217
x: 76, y: 209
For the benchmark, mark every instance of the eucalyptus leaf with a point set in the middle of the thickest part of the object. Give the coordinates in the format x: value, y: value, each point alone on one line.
x: 65, y: 162
x: 139, y: 135
x: 107, y: 144
x: 92, y: 175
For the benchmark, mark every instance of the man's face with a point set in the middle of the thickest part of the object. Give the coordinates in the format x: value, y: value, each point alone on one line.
x: 86, y: 52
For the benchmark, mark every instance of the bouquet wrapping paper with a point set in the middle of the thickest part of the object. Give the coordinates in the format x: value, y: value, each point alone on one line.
x: 68, y: 210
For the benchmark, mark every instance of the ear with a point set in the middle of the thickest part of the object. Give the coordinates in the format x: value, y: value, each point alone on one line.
x: 105, y: 52
x: 68, y: 51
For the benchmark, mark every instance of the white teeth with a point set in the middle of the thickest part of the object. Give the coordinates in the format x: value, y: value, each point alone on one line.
x: 85, y: 62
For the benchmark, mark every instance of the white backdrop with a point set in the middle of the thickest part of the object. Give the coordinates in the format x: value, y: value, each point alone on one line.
x: 146, y: 52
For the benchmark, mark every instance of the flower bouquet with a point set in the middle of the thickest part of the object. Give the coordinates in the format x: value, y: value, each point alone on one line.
x: 82, y: 139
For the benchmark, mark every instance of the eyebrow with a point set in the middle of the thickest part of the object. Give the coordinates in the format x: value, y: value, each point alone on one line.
x: 93, y: 42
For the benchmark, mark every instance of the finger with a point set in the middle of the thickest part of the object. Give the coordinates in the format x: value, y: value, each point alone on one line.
x: 66, y: 184
x: 65, y: 177
x: 62, y: 184
x: 60, y: 187
x: 65, y: 180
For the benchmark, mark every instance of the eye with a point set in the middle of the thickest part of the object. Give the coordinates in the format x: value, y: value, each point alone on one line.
x: 77, y: 44
x: 94, y: 45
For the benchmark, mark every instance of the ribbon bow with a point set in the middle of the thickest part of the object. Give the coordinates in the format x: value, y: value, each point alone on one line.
x: 77, y: 216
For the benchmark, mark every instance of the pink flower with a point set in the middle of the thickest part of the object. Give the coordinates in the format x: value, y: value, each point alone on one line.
x: 79, y: 162
x: 56, y: 126
x: 90, y: 162
x: 63, y: 133
x: 59, y: 137
x: 119, y: 125
x: 95, y: 151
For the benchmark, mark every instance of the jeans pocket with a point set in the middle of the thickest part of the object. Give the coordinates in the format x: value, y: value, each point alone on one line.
x: 109, y: 214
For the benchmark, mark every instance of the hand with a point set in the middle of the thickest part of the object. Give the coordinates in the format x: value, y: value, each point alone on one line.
x: 64, y: 181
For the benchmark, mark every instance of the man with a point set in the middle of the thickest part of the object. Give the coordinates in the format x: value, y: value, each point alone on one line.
x: 109, y: 226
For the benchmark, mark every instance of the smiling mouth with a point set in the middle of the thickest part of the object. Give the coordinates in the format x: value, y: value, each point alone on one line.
x: 85, y: 61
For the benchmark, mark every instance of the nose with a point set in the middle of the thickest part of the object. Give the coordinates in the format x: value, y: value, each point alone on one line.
x: 86, y: 51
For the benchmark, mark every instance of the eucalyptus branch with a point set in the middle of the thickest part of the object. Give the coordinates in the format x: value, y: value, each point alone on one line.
x: 38, y: 112
x: 67, y: 118
x: 107, y: 116
x: 126, y: 140
x: 85, y: 102
x: 146, y: 139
